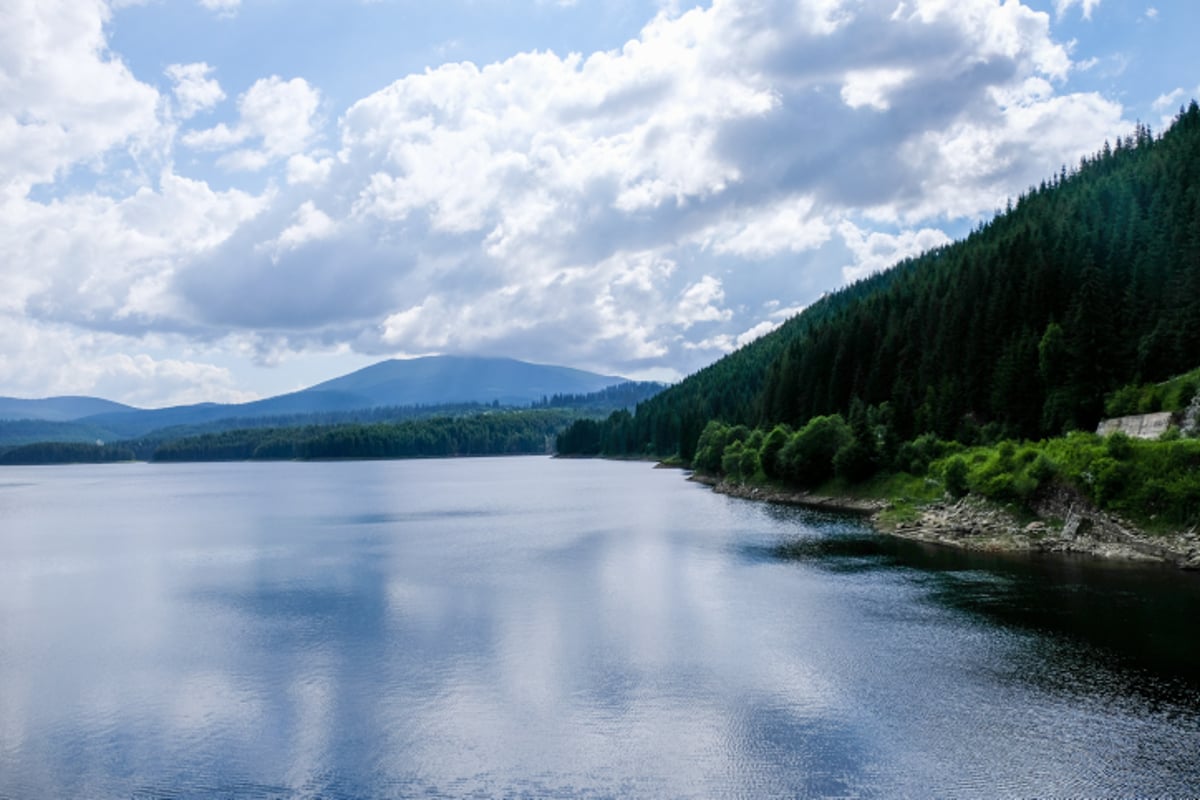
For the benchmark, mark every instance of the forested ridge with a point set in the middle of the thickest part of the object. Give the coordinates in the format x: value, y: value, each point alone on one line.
x: 389, y: 432
x: 1088, y: 282
x: 495, y: 433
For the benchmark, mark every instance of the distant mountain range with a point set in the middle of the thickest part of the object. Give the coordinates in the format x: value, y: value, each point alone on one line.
x: 434, y: 380
x: 58, y: 409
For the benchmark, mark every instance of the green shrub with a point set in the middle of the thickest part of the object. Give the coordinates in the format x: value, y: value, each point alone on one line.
x: 955, y: 476
x: 1171, y: 434
x: 748, y: 466
x: 1043, y: 469
x: 710, y: 447
x: 1118, y: 445
x: 731, y: 460
x: 769, y: 453
x: 807, y: 458
x: 854, y: 461
x: 1122, y: 402
x: 1109, y: 480
x: 915, y: 457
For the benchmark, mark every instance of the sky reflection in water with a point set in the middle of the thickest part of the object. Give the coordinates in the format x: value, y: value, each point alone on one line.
x: 571, y: 628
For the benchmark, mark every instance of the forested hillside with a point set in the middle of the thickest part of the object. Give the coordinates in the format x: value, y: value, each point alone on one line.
x: 1086, y: 283
x: 497, y: 433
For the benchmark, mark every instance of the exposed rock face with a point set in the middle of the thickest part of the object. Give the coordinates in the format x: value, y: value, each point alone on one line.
x: 795, y: 497
x: 1066, y: 523
x: 1139, y: 426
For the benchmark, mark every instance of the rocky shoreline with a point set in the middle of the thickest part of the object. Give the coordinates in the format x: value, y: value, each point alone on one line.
x: 1065, y: 523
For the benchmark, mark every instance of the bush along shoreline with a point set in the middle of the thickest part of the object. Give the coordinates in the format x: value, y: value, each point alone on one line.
x: 1110, y: 496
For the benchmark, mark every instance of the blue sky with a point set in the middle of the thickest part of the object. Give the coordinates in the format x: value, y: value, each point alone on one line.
x: 227, y: 199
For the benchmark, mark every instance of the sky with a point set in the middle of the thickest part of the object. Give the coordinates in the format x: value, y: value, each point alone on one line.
x: 221, y: 200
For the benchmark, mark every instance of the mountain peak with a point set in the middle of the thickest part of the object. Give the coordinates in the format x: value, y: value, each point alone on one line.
x: 429, y: 380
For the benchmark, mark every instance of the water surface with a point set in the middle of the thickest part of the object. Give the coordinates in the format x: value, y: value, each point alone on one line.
x: 529, y: 627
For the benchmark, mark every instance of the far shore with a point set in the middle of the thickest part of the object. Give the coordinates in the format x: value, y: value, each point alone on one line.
x: 1065, y: 523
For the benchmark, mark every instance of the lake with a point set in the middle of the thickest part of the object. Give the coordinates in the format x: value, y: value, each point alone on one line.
x: 531, y: 627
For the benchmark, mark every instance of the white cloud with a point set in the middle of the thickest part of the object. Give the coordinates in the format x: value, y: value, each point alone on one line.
x: 95, y: 261
x: 279, y: 115
x: 765, y: 231
x: 310, y: 224
x: 43, y: 360
x: 757, y: 332
x: 1062, y: 6
x: 223, y: 7
x: 721, y: 343
x: 875, y: 251
x: 64, y: 99
x: 194, y: 90
x: 307, y: 169
x: 871, y: 87
x: 700, y: 302
x: 1169, y: 104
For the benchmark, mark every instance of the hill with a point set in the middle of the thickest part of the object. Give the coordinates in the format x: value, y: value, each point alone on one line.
x: 458, y: 379
x: 1088, y: 282
x: 393, y: 384
x: 57, y: 409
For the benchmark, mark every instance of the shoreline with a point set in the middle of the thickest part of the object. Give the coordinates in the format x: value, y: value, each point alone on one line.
x: 1065, y: 523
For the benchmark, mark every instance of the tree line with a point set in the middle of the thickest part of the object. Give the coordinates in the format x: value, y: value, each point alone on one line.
x: 495, y: 433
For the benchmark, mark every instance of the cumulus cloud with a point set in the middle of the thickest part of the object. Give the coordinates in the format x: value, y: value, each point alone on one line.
x: 99, y: 262
x: 627, y: 210
x: 875, y: 251
x: 194, y: 90
x: 278, y: 116
x: 1170, y: 103
x: 42, y: 360
x: 1086, y: 6
x: 64, y: 99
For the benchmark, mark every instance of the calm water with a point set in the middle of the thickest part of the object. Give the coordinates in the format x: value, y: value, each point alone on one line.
x: 528, y: 627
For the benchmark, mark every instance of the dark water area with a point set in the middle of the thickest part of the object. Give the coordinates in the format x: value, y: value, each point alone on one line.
x: 535, y: 628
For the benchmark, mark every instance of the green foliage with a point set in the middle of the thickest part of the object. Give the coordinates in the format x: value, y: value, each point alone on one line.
x: 954, y: 473
x: 66, y: 453
x: 771, y: 447
x: 731, y: 460
x: 749, y: 466
x: 915, y: 457
x: 1174, y: 394
x: 858, y: 458
x: 710, y: 448
x: 583, y: 438
x: 1152, y: 482
x: 1043, y: 469
x: 807, y: 458
x: 1118, y: 445
x: 855, y: 461
x: 491, y: 433
x: 622, y: 396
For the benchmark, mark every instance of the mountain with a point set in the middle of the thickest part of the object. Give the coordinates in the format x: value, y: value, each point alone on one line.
x: 457, y: 379
x: 58, y: 409
x: 1088, y: 282
x: 434, y: 380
